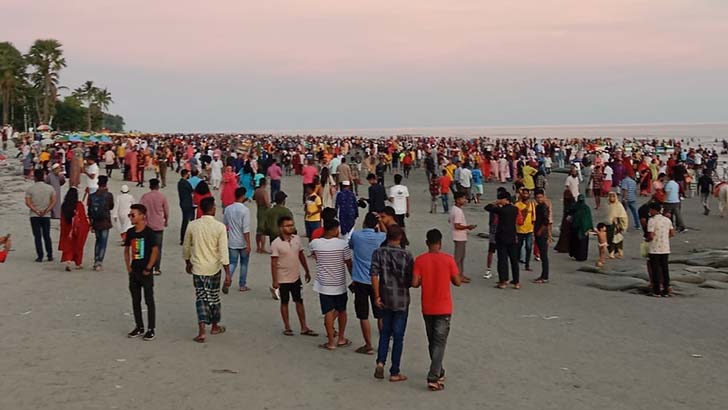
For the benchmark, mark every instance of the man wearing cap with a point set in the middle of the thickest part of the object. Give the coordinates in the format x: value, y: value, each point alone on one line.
x: 122, y: 207
x: 157, y: 217
x: 347, y: 207
x: 56, y: 179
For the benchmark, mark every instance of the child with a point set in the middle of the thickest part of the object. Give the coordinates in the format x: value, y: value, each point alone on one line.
x: 602, y: 238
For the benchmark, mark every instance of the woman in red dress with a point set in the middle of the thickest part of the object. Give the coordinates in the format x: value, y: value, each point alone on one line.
x: 229, y: 185
x: 202, y: 191
x: 74, y: 230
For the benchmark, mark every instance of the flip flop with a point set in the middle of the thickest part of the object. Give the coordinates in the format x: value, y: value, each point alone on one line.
x: 346, y: 343
x: 288, y: 332
x: 309, y: 332
x: 435, y: 386
x: 364, y: 350
x: 379, y: 372
x: 327, y: 347
x: 397, y: 378
x: 199, y: 339
x: 220, y: 330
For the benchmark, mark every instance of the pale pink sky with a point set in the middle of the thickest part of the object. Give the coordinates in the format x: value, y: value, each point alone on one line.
x: 264, y: 62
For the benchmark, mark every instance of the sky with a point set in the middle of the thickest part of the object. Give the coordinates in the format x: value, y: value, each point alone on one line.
x: 240, y: 65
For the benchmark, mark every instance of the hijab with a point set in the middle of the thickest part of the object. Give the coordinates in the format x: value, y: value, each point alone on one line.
x: 582, y: 217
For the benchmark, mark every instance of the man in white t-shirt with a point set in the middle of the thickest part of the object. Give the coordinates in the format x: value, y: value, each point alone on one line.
x: 460, y: 230
x: 109, y: 161
x: 466, y: 180
x: 92, y: 175
x: 399, y: 198
x: 659, y: 232
x: 572, y: 182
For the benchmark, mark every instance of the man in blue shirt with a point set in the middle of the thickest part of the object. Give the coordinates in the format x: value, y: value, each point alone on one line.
x: 362, y: 244
x: 672, y: 203
x: 629, y: 198
x: 347, y: 207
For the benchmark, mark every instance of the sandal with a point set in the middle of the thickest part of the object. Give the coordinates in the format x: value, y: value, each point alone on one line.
x: 435, y: 386
x: 364, y: 350
x: 309, y: 332
x: 327, y: 347
x: 288, y: 332
x: 199, y: 339
x: 397, y: 378
x: 379, y: 372
x: 346, y: 343
x: 219, y: 330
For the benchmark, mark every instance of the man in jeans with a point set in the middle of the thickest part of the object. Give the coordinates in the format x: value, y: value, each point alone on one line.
x: 140, y: 252
x: 157, y: 217
x: 391, y: 272
x: 184, y: 191
x: 435, y: 271
x: 237, y: 220
x: 100, y: 204
x: 525, y: 230
x: 629, y: 196
x: 672, y: 204
x: 40, y: 199
x: 541, y: 232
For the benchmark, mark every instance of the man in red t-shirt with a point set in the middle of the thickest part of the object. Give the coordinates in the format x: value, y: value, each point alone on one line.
x: 445, y: 183
x: 435, y: 271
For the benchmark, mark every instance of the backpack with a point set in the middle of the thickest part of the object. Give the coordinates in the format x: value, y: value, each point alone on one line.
x: 97, y: 206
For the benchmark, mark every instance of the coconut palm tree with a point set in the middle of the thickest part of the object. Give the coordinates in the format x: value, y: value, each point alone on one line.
x: 86, y: 93
x: 12, y: 73
x: 46, y: 58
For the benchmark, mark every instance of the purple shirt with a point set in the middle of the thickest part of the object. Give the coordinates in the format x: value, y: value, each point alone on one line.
x: 157, y: 209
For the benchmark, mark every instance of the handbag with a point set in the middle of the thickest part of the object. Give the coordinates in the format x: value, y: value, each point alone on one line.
x: 644, y: 249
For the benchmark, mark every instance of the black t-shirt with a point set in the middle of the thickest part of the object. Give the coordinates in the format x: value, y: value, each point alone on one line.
x: 644, y: 213
x: 705, y: 182
x: 506, y: 231
x: 141, y: 244
x: 542, y: 218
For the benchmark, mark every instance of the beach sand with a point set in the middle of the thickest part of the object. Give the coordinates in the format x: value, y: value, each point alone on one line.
x: 555, y: 346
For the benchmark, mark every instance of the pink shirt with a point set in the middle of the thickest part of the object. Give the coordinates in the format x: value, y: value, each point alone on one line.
x: 157, y: 208
x: 274, y: 172
x: 308, y: 172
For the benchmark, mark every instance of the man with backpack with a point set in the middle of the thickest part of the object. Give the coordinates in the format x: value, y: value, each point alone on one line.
x: 100, y: 204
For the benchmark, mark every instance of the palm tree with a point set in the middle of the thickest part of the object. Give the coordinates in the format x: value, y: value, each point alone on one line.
x: 46, y: 57
x: 12, y: 73
x: 102, y: 99
x: 86, y: 93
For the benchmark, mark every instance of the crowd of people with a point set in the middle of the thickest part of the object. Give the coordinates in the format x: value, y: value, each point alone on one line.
x: 223, y: 174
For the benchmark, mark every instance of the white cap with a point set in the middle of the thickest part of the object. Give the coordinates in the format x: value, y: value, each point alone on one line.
x: 346, y: 183
x: 124, y: 189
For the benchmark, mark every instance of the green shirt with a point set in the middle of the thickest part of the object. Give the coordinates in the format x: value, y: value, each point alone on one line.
x: 271, y: 220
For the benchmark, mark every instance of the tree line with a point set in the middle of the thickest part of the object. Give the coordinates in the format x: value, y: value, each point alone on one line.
x: 30, y: 84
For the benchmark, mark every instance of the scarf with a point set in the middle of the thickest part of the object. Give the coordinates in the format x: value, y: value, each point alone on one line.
x: 582, y: 217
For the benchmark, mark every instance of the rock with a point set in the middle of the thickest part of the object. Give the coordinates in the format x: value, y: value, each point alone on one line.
x: 701, y: 269
x: 633, y: 273
x: 715, y: 276
x: 623, y: 283
x: 688, y: 278
x: 711, y: 284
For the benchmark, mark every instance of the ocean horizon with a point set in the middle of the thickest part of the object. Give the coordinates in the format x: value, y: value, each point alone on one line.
x: 701, y: 131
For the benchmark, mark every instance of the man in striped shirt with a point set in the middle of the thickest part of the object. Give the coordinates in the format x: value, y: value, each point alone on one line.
x: 332, y: 255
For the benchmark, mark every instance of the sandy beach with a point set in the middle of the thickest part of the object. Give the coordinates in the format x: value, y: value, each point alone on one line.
x: 561, y: 345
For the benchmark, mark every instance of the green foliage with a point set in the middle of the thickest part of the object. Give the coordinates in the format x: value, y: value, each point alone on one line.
x: 29, y: 86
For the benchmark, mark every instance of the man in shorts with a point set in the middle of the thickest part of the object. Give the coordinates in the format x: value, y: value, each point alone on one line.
x: 287, y: 258
x: 333, y: 258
